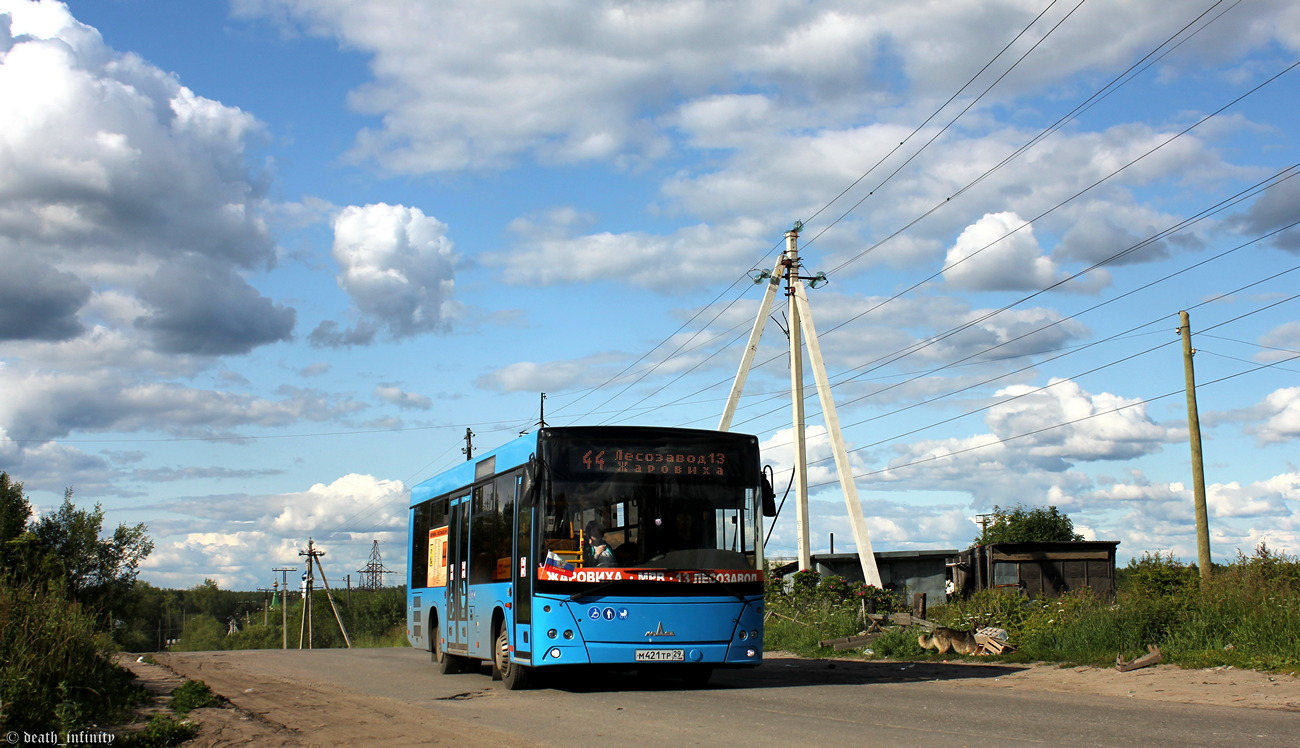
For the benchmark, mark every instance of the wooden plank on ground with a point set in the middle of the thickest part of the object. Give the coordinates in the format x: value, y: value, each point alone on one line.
x: 1150, y: 658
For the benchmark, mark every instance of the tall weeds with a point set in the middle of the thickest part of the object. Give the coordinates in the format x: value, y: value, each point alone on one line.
x: 1246, y: 615
x: 55, y: 672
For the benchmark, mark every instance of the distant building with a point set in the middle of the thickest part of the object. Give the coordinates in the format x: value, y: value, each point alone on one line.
x: 1036, y: 569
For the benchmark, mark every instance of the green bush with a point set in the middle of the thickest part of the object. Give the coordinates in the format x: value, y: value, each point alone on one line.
x: 161, y: 732
x: 201, y: 633
x: 191, y: 695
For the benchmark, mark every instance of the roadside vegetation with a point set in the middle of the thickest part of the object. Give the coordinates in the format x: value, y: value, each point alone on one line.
x: 374, y: 618
x: 70, y: 601
x: 1246, y: 615
x: 57, y: 580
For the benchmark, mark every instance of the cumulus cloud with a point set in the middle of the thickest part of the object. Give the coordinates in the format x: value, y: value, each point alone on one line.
x: 397, y: 266
x: 1088, y: 426
x: 38, y: 302
x: 1035, y: 441
x: 120, y: 180
x: 1275, y: 210
x: 234, y: 538
x: 1280, y: 416
x: 44, y: 406
x: 579, y: 81
x: 336, y: 505
x: 200, y: 306
x: 998, y: 253
x: 551, y: 250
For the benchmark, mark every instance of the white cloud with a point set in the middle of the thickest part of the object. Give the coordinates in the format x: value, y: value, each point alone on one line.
x: 360, y: 499
x: 1285, y: 337
x: 119, y: 180
x: 1103, y: 426
x: 998, y: 253
x: 532, y: 376
x: 550, y: 252
x: 1280, y: 414
x: 395, y: 395
x: 397, y: 265
x: 47, y: 406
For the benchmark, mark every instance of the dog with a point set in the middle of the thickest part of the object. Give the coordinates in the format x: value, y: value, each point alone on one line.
x: 944, y: 639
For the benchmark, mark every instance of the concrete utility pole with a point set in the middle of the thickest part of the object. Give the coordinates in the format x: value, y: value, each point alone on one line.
x: 284, y: 604
x: 1198, y: 465
x: 802, y: 329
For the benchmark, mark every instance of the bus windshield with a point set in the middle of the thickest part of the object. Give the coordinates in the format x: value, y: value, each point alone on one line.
x: 687, y: 507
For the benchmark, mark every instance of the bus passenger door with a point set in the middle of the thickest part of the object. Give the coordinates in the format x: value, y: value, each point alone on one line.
x: 457, y: 569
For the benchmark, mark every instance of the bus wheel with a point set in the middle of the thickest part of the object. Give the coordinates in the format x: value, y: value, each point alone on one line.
x: 513, y: 676
x: 448, y: 664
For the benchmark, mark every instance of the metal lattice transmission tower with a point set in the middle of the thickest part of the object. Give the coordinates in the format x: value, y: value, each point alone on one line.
x: 372, y: 574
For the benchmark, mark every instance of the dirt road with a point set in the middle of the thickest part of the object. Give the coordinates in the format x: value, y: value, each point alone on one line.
x: 395, y: 697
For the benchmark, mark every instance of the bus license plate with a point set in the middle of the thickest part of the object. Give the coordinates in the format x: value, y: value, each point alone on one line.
x: 660, y: 655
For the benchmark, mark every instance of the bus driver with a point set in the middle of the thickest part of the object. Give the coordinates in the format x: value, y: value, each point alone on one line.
x: 598, y: 550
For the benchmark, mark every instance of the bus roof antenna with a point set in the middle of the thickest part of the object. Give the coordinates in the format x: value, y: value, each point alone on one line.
x: 541, y: 420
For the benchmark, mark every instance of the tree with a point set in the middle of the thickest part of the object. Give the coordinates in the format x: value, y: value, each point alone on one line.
x: 64, y: 548
x: 14, y: 509
x: 1021, y: 524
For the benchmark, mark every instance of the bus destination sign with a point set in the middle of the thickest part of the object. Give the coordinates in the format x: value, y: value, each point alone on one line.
x: 700, y: 462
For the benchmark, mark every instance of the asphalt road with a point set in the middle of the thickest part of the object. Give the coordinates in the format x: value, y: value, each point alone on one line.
x: 328, y: 695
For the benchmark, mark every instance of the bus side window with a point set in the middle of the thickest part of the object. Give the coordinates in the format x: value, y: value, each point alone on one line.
x: 484, y: 529
x: 420, y: 545
x: 507, y: 486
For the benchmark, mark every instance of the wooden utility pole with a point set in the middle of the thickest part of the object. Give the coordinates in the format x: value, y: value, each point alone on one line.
x: 266, y: 603
x: 1198, y: 465
x: 313, y: 556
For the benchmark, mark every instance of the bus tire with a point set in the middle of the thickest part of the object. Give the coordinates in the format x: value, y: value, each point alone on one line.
x: 448, y: 664
x: 514, y: 676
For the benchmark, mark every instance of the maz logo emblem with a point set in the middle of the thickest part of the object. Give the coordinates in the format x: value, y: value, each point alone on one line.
x: 660, y: 631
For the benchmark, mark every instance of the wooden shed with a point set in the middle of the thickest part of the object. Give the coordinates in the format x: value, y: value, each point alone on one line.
x: 1036, y: 568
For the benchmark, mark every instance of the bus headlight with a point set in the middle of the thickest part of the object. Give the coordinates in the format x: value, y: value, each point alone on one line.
x: 744, y: 635
x: 753, y: 634
x: 568, y: 634
x: 551, y: 633
x: 555, y: 653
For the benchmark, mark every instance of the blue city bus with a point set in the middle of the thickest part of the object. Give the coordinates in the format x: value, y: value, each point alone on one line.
x: 632, y: 547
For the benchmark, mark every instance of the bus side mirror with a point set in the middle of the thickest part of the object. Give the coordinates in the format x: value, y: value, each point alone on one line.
x: 769, y: 498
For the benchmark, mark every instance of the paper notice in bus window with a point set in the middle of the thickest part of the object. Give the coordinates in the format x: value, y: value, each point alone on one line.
x: 438, y: 557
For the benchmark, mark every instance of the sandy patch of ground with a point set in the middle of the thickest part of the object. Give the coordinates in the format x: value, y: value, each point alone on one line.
x: 281, y: 713
x: 1225, y: 686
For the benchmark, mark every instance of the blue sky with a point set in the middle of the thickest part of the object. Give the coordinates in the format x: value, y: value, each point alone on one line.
x: 267, y: 260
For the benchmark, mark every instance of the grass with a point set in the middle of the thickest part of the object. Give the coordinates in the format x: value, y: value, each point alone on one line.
x: 1247, y: 615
